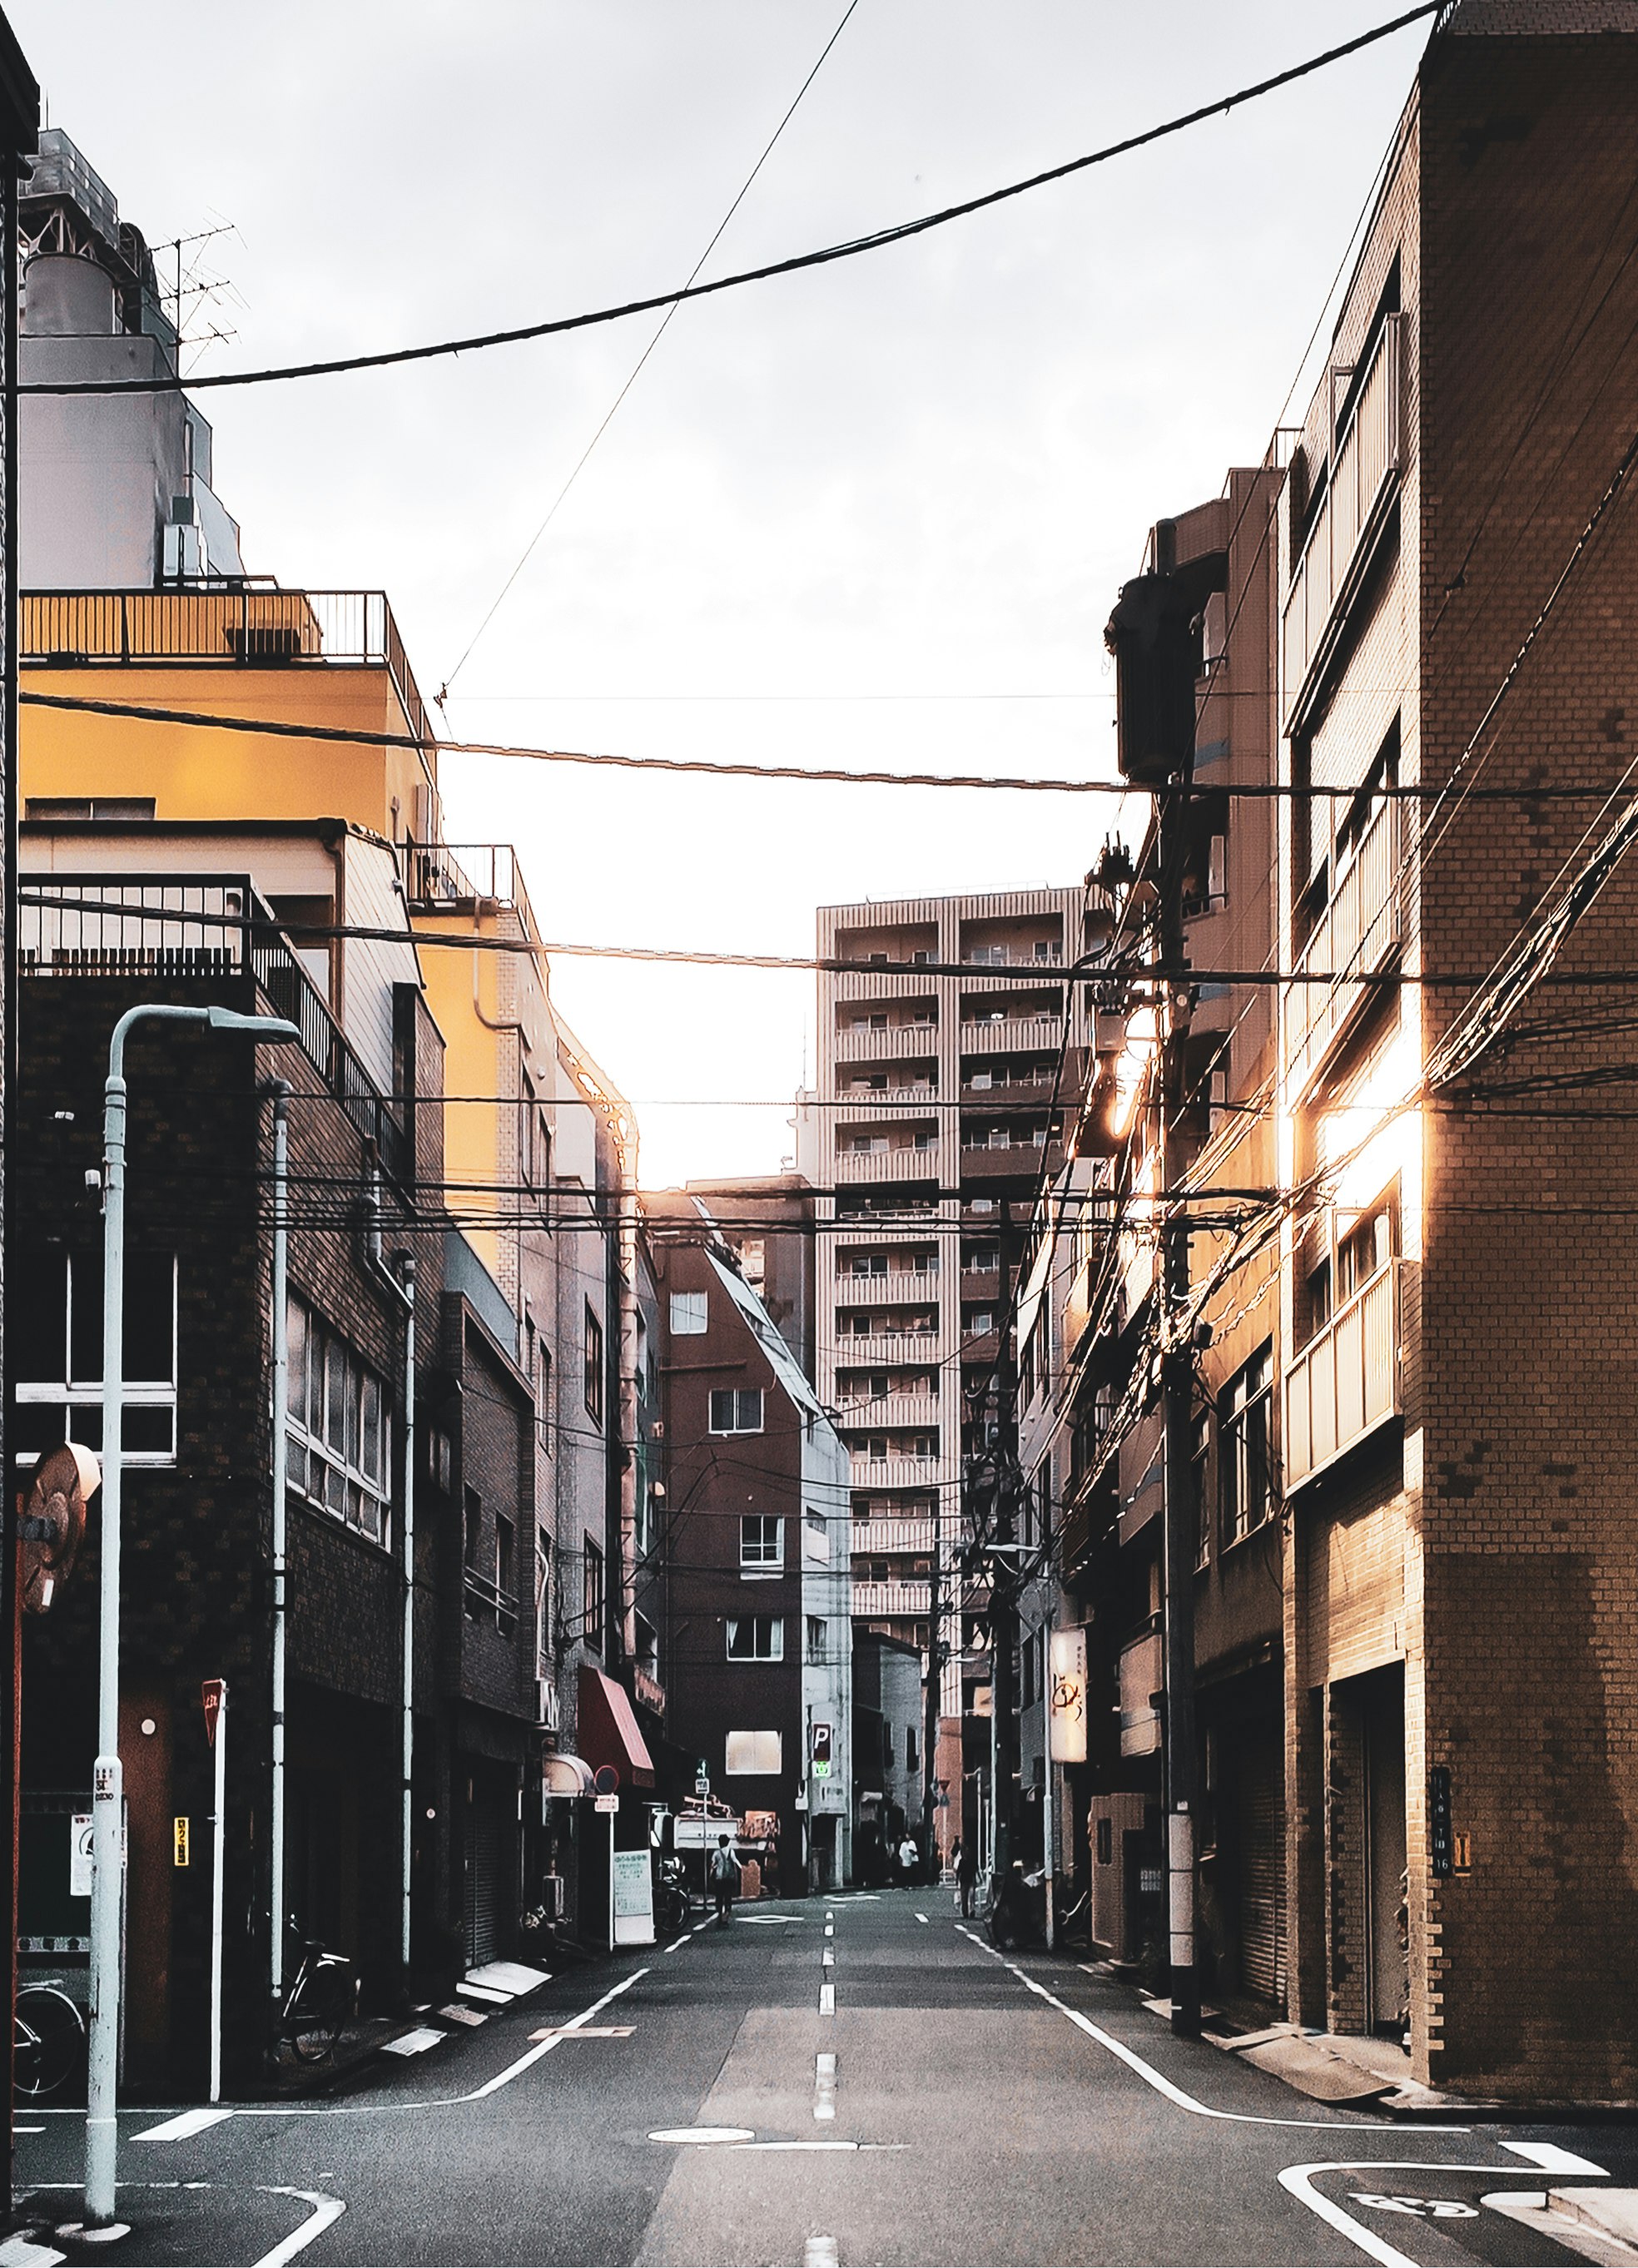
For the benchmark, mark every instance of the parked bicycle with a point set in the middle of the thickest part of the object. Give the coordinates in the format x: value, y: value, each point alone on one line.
x: 673, y: 1908
x: 319, y: 2003
x: 49, y: 2041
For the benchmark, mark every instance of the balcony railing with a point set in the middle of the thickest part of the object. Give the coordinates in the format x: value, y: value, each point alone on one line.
x: 895, y: 1473
x: 157, y: 927
x: 907, y: 1411
x: 881, y: 1598
x: 1345, y: 1381
x: 860, y: 1044
x: 852, y: 1352
x: 1364, y: 462
x: 904, y: 1289
x: 864, y: 1110
x: 1011, y: 1034
x: 242, y: 626
x: 884, y: 1536
x: 905, y: 1163
x: 989, y: 1161
x: 1357, y: 932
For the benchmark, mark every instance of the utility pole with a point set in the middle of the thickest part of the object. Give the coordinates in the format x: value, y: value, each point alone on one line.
x: 1182, y: 1521
x: 1004, y: 1589
x: 933, y: 1698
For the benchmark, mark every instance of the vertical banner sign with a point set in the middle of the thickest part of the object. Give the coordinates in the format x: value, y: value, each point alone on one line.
x: 633, y: 1898
x: 1069, y: 1696
x: 1441, y: 1841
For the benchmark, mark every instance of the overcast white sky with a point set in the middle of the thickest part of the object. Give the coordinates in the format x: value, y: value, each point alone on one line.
x: 875, y: 514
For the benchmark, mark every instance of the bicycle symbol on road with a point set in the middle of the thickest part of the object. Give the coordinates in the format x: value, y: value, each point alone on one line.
x: 1419, y: 2208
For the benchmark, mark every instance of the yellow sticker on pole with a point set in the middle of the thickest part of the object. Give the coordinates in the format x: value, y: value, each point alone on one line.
x: 179, y: 1834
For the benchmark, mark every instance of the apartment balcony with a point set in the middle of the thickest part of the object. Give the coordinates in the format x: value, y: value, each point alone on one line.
x: 1003, y: 1093
x: 1345, y: 1381
x: 879, y: 1600
x: 1013, y: 1036
x: 866, y: 1109
x: 981, y: 1283
x: 889, y: 1412
x: 892, y: 982
x: 852, y: 1352
x: 904, y: 1164
x: 871, y: 1536
x: 980, y: 1348
x: 992, y: 1162
x: 895, y: 1473
x: 899, y: 1044
x: 203, y: 926
x: 1342, y: 539
x: 1357, y: 931
x: 900, y: 1290
x: 251, y: 626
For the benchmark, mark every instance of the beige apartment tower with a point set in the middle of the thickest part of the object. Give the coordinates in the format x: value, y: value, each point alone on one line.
x: 947, y: 1043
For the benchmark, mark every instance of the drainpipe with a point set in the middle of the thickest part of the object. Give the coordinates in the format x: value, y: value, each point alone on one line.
x: 401, y: 1286
x: 628, y: 1408
x: 407, y: 1266
x: 281, y: 1092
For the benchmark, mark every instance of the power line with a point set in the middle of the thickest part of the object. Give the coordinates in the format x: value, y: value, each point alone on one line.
x: 581, y: 461
x: 898, y: 234
x: 1201, y: 788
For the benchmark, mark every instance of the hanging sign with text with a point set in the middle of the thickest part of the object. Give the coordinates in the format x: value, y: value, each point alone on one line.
x: 1069, y: 1667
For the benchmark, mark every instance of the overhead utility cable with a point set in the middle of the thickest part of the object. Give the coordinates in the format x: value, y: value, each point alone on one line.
x: 637, y: 370
x: 1012, y: 783
x: 900, y: 233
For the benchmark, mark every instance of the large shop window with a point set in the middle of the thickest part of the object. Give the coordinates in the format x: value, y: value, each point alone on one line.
x: 59, y: 1354
x: 340, y: 1427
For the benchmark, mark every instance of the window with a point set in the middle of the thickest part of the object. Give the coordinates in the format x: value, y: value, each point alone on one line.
x: 980, y: 1322
x: 592, y: 1609
x: 1367, y: 1247
x: 870, y: 1263
x: 756, y: 1638
x: 474, y: 1598
x: 753, y: 1251
x: 762, y: 1543
x: 59, y: 1355
x: 815, y: 1637
x: 1199, y: 1450
x: 339, y: 1426
x: 688, y: 1314
x: 1244, y: 1447
x: 736, y: 1411
x: 593, y: 1365
x: 59, y: 808
x: 913, y: 1761
x: 758, y: 1754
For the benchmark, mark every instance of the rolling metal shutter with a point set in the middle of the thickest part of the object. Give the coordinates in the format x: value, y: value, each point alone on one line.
x: 489, y: 1837
x: 1261, y: 1841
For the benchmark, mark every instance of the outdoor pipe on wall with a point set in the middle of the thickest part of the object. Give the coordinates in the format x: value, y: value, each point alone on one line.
x: 281, y: 1092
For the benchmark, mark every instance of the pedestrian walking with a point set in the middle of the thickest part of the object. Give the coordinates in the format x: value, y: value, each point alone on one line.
x: 725, y: 1879
x: 966, y: 1877
x: 909, y: 1858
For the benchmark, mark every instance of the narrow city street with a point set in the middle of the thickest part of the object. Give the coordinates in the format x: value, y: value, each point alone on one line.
x: 687, y: 2110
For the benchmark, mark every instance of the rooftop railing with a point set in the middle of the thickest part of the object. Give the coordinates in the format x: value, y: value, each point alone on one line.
x: 248, y: 625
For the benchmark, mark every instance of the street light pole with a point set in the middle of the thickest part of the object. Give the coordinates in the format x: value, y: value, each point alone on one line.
x: 107, y: 1810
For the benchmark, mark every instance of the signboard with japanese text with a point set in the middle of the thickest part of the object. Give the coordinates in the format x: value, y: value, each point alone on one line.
x: 1069, y: 1667
x: 633, y: 1898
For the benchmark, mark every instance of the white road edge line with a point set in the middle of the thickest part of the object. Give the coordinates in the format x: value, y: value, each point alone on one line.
x: 1298, y: 2181
x: 187, y: 2123
x: 1553, y: 2160
x: 1157, y: 2079
x: 326, y: 2210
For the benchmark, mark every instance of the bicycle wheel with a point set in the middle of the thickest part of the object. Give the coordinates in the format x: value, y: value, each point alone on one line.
x: 317, y: 2015
x: 50, y: 2040
x: 672, y: 1911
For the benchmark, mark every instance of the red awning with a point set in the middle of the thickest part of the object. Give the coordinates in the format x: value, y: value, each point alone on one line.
x: 608, y: 1732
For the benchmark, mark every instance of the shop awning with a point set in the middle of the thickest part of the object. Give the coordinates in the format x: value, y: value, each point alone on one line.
x: 608, y: 1732
x: 567, y: 1775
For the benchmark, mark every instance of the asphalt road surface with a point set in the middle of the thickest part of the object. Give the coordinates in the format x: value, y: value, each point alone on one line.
x: 861, y: 2080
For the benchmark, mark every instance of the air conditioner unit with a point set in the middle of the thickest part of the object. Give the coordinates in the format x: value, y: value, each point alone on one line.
x: 547, y: 1714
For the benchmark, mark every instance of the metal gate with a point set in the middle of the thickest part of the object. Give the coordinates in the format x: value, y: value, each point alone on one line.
x: 1261, y: 1841
x: 490, y: 1825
